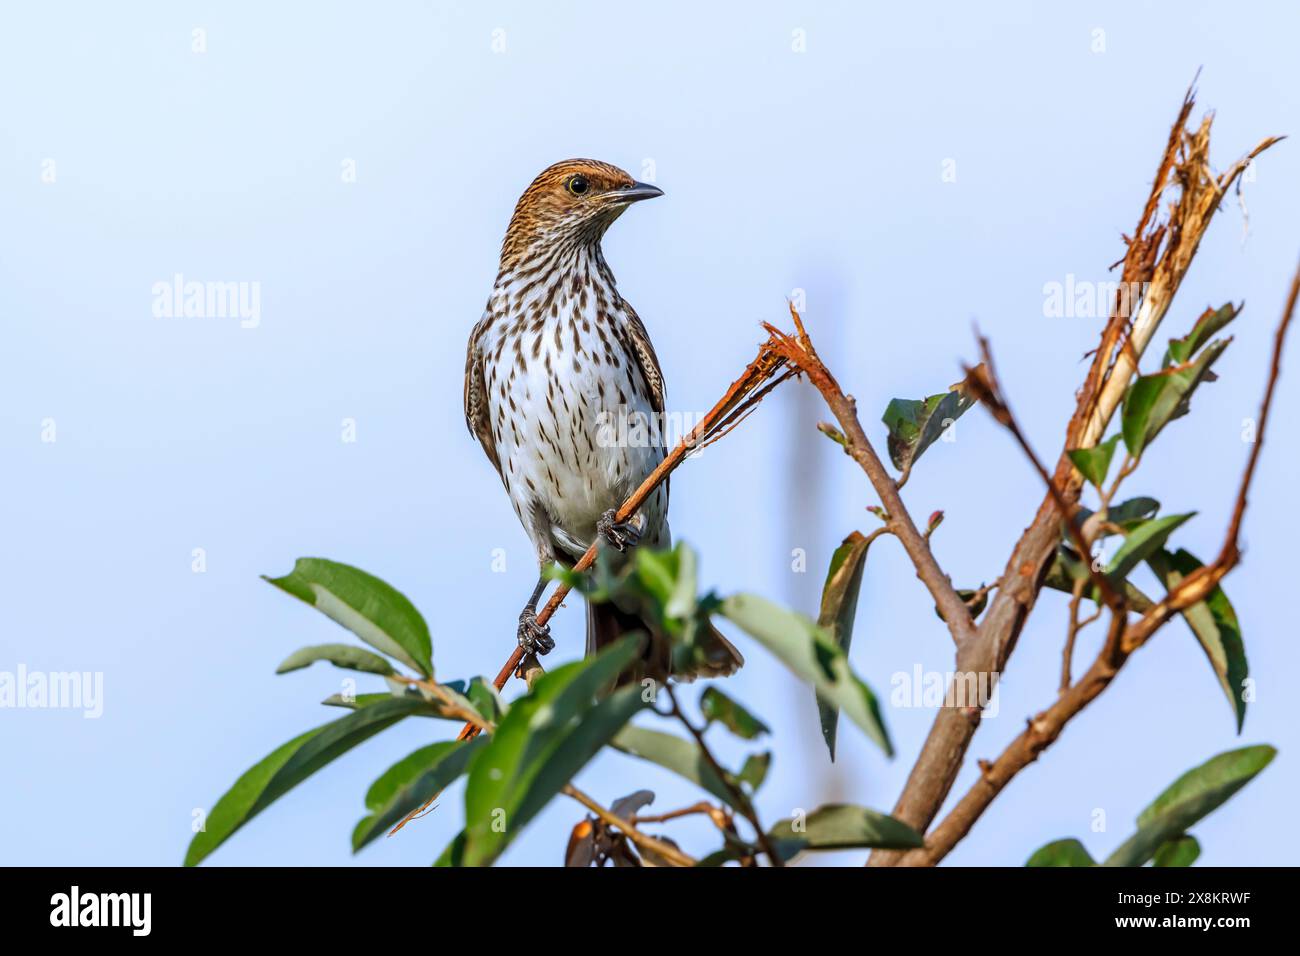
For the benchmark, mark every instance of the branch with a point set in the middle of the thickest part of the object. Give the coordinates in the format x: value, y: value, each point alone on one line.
x: 1122, y: 640
x: 798, y: 351
x: 1158, y: 256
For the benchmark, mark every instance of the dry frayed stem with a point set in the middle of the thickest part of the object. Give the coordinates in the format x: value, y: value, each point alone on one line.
x: 742, y: 802
x: 983, y: 384
x: 717, y: 815
x: 798, y: 351
x: 648, y: 843
x: 1121, y: 641
x: 1158, y: 256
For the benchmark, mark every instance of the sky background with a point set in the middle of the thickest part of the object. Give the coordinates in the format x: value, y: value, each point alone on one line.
x: 819, y: 171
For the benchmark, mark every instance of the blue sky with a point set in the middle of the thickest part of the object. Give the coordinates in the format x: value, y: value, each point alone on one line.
x: 127, y: 156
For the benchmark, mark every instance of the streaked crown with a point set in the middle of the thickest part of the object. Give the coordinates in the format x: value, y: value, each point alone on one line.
x: 572, y: 201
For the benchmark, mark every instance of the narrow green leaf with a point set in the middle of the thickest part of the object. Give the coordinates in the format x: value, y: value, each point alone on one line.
x: 1180, y: 851
x: 1142, y: 542
x: 1061, y: 853
x: 1067, y: 568
x: 286, y: 767
x: 373, y: 610
x: 916, y: 425
x: 754, y: 770
x: 547, y: 736
x: 839, y: 826
x: 1206, y: 327
x: 354, y: 701
x: 1094, y: 463
x: 483, y: 696
x: 682, y: 757
x: 1214, y: 622
x: 814, y: 658
x: 717, y: 706
x: 1155, y: 400
x: 340, y: 655
x: 682, y: 599
x: 1189, y: 799
x: 410, y: 782
x: 1127, y: 515
x: 839, y: 609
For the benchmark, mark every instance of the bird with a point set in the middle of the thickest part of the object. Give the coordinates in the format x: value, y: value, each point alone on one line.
x: 557, y: 359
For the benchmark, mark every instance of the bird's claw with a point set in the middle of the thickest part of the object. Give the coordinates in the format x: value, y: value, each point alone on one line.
x: 620, y: 535
x: 534, y: 638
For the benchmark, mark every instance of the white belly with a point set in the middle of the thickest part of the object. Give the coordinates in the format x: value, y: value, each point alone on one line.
x: 573, y: 442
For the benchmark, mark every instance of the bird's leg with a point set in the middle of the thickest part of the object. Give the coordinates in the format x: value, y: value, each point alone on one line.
x: 620, y: 535
x: 534, y: 638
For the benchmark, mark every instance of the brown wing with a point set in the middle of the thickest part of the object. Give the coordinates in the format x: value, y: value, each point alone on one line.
x: 648, y: 362
x: 477, y: 415
x: 646, y: 358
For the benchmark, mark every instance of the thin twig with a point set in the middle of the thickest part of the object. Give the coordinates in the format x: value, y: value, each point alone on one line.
x: 798, y: 350
x: 742, y: 802
x: 983, y: 381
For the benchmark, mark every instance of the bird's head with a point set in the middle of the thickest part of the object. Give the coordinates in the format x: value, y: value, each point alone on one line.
x: 573, y: 201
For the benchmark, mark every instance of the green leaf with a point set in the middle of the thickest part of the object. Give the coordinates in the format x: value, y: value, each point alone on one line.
x: 1209, y: 324
x: 410, y: 782
x: 754, y: 770
x: 340, y: 655
x: 454, y: 854
x: 1061, y: 853
x: 1143, y: 541
x: 355, y: 701
x: 1181, y: 851
x: 483, y: 696
x: 1214, y: 622
x: 1094, y: 463
x: 1127, y: 515
x: 1189, y: 799
x: 682, y: 599
x: 840, y: 826
x: 717, y: 706
x: 376, y: 612
x: 547, y: 736
x: 286, y: 767
x: 1067, y: 568
x: 838, y: 611
x: 682, y: 757
x: 916, y: 425
x: 1154, y: 400
x: 809, y: 652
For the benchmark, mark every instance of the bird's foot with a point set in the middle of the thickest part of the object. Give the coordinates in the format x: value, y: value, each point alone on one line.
x: 534, y: 638
x: 621, y: 535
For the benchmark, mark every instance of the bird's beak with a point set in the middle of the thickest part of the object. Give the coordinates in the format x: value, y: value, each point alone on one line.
x: 635, y: 193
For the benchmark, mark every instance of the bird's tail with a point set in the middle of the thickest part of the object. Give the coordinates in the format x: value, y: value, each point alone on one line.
x: 607, y: 622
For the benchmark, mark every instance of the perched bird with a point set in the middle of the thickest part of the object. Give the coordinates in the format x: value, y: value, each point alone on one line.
x: 556, y: 360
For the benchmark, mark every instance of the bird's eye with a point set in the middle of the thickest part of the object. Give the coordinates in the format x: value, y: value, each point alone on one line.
x: 578, y: 185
